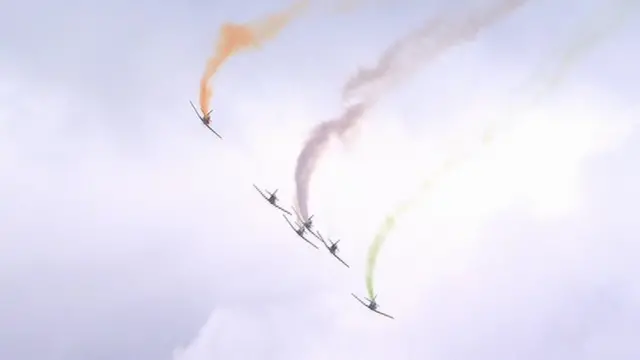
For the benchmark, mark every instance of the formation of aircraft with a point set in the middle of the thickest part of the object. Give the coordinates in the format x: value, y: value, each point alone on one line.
x: 372, y: 305
x: 301, y: 227
x: 206, y: 119
x: 333, y: 248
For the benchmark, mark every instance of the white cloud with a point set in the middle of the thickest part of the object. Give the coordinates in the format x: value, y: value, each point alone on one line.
x: 537, y: 167
x: 105, y: 243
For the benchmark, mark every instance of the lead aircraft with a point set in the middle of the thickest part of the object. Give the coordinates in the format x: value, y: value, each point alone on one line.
x: 206, y: 119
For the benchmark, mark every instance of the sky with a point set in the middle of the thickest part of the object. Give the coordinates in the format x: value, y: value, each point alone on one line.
x: 128, y: 231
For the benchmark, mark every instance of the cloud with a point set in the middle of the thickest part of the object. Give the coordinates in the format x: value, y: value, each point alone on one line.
x: 445, y: 273
x: 122, y: 244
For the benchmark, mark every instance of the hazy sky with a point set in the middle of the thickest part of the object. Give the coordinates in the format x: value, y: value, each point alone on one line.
x: 128, y: 232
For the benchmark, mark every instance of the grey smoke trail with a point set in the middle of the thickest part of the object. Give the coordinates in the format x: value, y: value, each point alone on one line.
x: 399, y: 61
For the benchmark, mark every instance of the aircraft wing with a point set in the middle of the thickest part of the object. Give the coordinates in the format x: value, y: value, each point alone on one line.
x: 361, y: 302
x: 194, y: 109
x: 307, y: 240
x: 318, y: 236
x: 383, y: 314
x: 290, y: 223
x: 260, y: 191
x: 283, y: 209
x: 213, y: 131
x: 324, y: 242
x: 342, y: 261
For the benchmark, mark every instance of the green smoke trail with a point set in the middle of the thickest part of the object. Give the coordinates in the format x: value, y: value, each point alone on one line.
x: 374, y: 249
x: 588, y: 37
x: 390, y: 222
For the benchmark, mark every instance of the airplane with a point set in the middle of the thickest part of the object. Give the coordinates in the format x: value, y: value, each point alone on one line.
x: 308, y: 224
x: 272, y: 198
x: 333, y: 249
x: 300, y: 231
x: 373, y: 306
x: 206, y: 119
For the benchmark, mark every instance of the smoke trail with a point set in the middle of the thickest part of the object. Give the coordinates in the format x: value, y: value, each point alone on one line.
x: 399, y: 61
x: 590, y: 38
x: 390, y: 224
x: 606, y: 21
x: 238, y: 37
x: 586, y: 40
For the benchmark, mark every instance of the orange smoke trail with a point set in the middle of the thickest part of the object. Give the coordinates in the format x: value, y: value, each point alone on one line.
x: 238, y: 37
